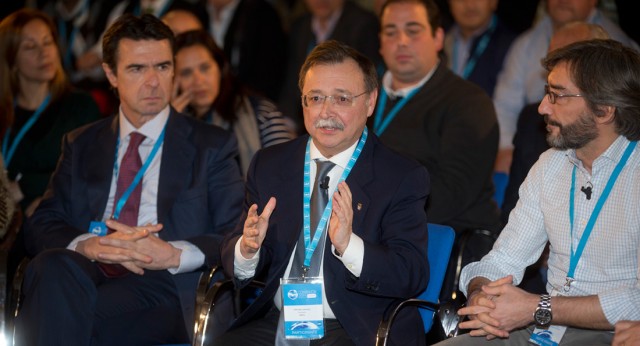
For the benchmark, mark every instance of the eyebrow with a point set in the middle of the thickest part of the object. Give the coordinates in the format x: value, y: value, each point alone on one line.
x: 556, y: 86
x: 135, y: 65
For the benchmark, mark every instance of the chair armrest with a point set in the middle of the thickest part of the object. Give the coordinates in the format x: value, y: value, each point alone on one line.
x: 209, y: 304
x: 385, y: 325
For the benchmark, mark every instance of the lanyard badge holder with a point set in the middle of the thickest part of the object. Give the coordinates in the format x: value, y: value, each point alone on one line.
x: 302, y: 308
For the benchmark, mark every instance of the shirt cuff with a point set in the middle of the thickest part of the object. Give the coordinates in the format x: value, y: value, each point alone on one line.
x: 353, y: 255
x: 191, y: 257
x: 244, y: 268
x: 74, y: 243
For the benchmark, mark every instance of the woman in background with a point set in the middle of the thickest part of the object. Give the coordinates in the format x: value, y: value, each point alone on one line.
x: 37, y: 103
x: 206, y: 89
x: 37, y: 107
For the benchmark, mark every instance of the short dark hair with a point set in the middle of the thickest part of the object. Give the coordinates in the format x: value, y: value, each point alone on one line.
x: 230, y: 87
x: 333, y: 52
x: 145, y: 27
x: 607, y: 74
x: 433, y: 12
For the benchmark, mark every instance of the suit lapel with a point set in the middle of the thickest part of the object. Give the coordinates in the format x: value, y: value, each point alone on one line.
x: 292, y: 179
x: 361, y: 175
x: 178, y: 153
x: 101, y: 157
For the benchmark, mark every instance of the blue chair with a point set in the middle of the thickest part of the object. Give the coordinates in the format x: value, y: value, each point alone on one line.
x: 500, y: 181
x: 439, y: 250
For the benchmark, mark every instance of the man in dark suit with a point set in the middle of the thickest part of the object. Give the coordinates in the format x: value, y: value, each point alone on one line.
x: 135, y: 284
x: 373, y: 248
x: 340, y: 20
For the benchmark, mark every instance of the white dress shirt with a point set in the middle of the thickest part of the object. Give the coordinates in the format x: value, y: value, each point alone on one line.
x: 610, y: 264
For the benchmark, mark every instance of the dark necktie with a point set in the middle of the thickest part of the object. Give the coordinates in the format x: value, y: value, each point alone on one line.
x: 319, y: 200
x: 129, y: 167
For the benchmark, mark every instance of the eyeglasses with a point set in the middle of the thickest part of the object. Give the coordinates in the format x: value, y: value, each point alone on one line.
x: 317, y: 100
x: 553, y: 96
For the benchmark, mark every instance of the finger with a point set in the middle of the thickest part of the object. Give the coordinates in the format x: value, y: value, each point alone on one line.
x: 268, y: 209
x: 476, y: 309
x: 123, y: 256
x: 132, y: 267
x: 344, y: 190
x: 495, y: 331
x: 120, y: 227
x: 151, y: 228
x: 495, y: 290
x: 507, y: 280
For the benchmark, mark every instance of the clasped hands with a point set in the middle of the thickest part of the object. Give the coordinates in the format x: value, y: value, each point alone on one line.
x: 135, y: 248
x: 255, y: 226
x: 497, y: 308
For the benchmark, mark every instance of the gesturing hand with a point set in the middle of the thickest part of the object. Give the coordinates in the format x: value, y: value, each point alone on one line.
x: 341, y: 219
x: 255, y: 228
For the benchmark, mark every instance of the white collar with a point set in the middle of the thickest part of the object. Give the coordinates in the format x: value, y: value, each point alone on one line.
x: 150, y: 129
x: 387, y: 79
x: 341, y: 159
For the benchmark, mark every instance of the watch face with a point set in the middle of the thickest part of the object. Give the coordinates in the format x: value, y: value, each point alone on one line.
x: 543, y: 316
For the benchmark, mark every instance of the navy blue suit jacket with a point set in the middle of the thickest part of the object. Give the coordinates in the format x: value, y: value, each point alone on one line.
x: 389, y: 194
x: 199, y: 194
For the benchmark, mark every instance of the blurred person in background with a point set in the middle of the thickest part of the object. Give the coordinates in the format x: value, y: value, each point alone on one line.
x: 38, y: 107
x: 181, y: 21
x: 206, y: 89
x: 477, y: 43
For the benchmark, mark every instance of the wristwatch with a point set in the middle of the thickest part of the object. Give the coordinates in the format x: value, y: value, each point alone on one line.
x: 543, y: 315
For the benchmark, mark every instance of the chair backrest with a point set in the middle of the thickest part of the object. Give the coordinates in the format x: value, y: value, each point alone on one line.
x: 439, y: 250
x: 500, y: 181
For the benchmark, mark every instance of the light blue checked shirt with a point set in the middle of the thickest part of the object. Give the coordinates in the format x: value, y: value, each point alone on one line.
x: 609, y: 265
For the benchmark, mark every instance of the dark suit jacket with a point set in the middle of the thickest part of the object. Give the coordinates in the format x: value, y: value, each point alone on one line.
x: 199, y: 195
x: 356, y: 27
x: 390, y: 192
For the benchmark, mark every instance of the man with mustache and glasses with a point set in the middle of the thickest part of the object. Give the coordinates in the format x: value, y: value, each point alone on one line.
x: 369, y: 245
x: 582, y: 197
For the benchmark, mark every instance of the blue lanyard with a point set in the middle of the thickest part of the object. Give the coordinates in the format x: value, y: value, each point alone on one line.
x: 310, y: 245
x: 575, y: 255
x: 136, y: 180
x: 480, y: 48
x: 8, y: 151
x: 380, y: 122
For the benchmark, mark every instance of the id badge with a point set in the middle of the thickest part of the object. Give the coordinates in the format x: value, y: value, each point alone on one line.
x: 548, y: 337
x: 302, y: 308
x: 98, y: 228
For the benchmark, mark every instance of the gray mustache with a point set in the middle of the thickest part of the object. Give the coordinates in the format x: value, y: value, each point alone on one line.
x: 331, y: 122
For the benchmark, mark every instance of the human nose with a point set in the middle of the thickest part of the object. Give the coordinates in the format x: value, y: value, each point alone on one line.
x: 153, y: 78
x: 545, y: 105
x: 326, y: 104
x: 403, y: 38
